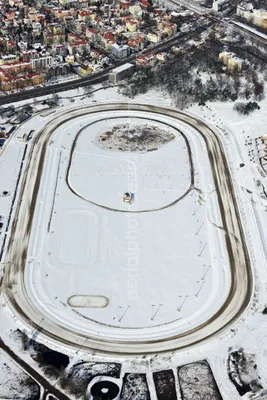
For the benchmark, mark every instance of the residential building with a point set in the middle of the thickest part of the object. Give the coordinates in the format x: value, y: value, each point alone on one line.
x: 53, y: 38
x: 124, y: 4
x: 136, y: 11
x: 162, y: 56
x: 131, y: 25
x: 220, y: 5
x: 91, y: 34
x: 122, y: 72
x: 134, y: 45
x: 15, y: 68
x: 154, y: 37
x: 255, y: 16
x: 42, y: 62
x: 170, y: 28
x: 245, y: 11
x: 85, y: 15
x: 78, y: 47
x: 120, y: 51
x: 9, y: 59
x: 72, y: 38
x: 259, y: 17
x: 231, y: 61
x: 107, y: 39
x: 147, y: 59
x: 70, y: 59
x: 9, y: 82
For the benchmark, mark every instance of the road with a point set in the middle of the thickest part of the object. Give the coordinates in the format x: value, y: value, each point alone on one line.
x: 191, y: 5
x: 249, y: 31
x: 241, y: 287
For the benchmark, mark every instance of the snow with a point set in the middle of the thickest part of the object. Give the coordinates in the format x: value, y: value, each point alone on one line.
x: 250, y: 331
x: 139, y: 261
x: 159, y: 177
x: 122, y: 67
x: 250, y: 29
x: 14, y: 383
x: 14, y: 151
x: 88, y: 301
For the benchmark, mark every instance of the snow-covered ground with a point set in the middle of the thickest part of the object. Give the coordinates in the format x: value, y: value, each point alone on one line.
x: 250, y: 332
x: 138, y: 260
x: 9, y: 175
x: 157, y: 178
x: 14, y: 383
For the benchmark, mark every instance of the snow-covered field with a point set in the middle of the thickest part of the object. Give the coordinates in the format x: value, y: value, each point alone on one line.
x: 163, y: 266
x: 249, y: 333
x: 157, y: 178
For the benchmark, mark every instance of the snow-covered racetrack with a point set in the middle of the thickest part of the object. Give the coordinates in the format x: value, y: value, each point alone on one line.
x: 241, y: 286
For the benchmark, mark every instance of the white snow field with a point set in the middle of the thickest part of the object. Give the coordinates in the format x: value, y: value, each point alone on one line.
x: 113, y: 268
x: 158, y: 178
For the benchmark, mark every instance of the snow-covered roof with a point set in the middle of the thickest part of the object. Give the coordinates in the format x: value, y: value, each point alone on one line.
x: 122, y: 68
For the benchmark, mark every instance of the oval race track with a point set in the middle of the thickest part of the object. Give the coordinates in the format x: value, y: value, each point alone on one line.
x: 241, y: 287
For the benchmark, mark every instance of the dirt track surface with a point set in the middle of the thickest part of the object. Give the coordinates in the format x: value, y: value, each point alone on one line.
x: 241, y: 287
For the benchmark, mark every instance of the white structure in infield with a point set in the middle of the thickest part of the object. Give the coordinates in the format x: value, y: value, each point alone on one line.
x: 128, y: 197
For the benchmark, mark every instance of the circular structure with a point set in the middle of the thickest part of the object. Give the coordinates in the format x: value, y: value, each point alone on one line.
x: 165, y: 272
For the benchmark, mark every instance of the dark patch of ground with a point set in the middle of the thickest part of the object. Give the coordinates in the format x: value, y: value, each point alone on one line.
x: 135, y: 387
x: 165, y: 385
x: 197, y: 382
x: 242, y: 371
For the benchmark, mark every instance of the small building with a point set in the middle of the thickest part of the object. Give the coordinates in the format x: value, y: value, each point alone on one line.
x: 128, y: 197
x: 91, y: 34
x: 235, y: 64
x: 154, y: 37
x: 120, y: 51
x: 135, y: 10
x: 131, y: 25
x: 232, y: 62
x: 245, y: 11
x: 120, y: 73
x: 162, y: 56
x: 220, y: 5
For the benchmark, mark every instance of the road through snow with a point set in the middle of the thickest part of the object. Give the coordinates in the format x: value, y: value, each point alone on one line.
x: 241, y: 287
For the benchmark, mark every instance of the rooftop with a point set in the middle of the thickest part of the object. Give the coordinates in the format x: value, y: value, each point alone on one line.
x: 122, y: 68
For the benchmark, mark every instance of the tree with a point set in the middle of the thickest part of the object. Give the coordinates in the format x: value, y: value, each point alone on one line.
x: 55, y: 98
x: 2, y: 111
x: 150, y: 7
x: 246, y: 108
x: 88, y: 90
x: 258, y: 88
